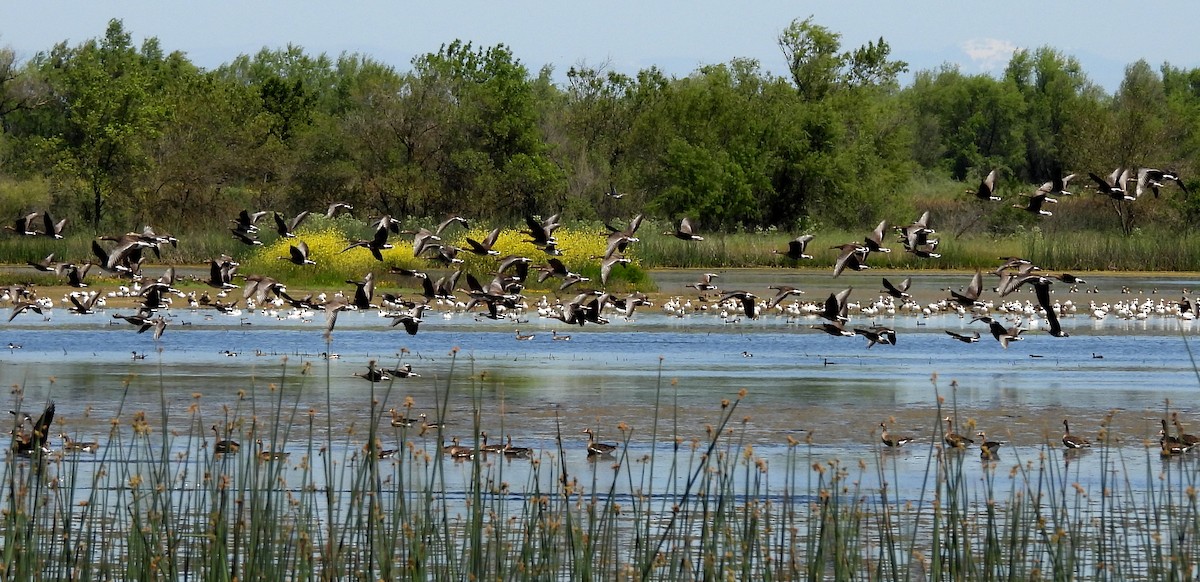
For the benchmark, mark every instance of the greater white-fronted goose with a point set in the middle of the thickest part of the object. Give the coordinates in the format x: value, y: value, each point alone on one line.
x: 892, y: 440
x: 746, y: 298
x: 685, y: 231
x: 269, y: 455
x: 987, y: 188
x: 24, y: 224
x: 598, y: 449
x: 954, y: 439
x: 287, y: 229
x: 45, y: 265
x: 224, y: 446
x: 1057, y: 185
x: 298, y: 255
x: 898, y: 291
x: 1036, y: 201
x: 988, y: 450
x: 1115, y: 186
x: 796, y: 248
x: 517, y: 452
x: 851, y: 256
x: 1071, y: 441
x: 967, y: 339
x: 484, y: 247
x: 73, y: 446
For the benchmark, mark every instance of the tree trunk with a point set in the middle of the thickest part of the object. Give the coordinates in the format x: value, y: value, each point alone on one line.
x: 97, y: 204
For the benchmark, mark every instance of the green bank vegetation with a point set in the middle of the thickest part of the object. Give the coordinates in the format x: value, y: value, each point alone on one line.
x: 114, y: 136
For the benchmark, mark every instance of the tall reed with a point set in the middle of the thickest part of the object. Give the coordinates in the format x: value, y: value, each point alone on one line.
x: 364, y: 499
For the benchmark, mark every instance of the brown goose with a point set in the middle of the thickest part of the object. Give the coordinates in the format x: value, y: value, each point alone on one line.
x: 268, y: 455
x: 484, y: 247
x: 874, y: 240
x: 796, y: 248
x: 898, y: 291
x: 852, y: 256
x: 74, y: 446
x: 298, y: 255
x: 224, y: 446
x: 1036, y: 201
x: 893, y: 440
x: 596, y: 449
x: 988, y: 450
x: 24, y: 224
x: 25, y: 445
x: 685, y: 231
x: 1187, y: 439
x: 287, y: 229
x: 954, y: 439
x: 519, y: 452
x: 1171, y: 444
x: 1072, y: 441
x: 485, y: 447
x: 45, y: 265
x: 747, y: 300
x: 458, y: 451
x: 986, y: 188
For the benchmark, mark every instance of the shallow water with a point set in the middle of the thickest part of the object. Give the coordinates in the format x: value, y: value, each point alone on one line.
x: 655, y: 372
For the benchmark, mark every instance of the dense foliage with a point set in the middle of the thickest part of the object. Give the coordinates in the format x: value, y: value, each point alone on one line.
x: 117, y: 135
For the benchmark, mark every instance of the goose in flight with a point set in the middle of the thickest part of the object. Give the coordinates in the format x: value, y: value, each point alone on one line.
x: 1114, y: 186
x: 298, y: 255
x: 288, y: 229
x: 1036, y: 201
x: 987, y: 188
x: 685, y: 231
x: 796, y: 248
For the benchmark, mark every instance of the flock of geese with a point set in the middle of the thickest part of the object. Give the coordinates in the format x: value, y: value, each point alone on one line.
x: 500, y: 297
x: 1171, y: 445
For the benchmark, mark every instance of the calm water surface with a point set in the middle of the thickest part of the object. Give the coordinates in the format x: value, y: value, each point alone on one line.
x: 800, y: 383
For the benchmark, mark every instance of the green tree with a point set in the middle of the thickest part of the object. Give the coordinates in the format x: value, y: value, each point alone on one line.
x: 104, y: 110
x: 1058, y: 101
x: 491, y: 148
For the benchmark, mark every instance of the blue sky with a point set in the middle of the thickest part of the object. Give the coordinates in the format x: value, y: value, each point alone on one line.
x: 629, y: 35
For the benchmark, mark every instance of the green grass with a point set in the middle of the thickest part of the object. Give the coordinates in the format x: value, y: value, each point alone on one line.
x: 158, y: 504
